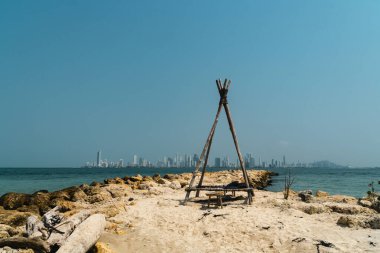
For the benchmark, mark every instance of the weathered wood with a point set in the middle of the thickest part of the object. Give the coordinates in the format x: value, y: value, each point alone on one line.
x: 35, y: 244
x: 35, y: 228
x: 67, y: 226
x: 85, y: 235
x: 203, y: 151
x: 223, y: 91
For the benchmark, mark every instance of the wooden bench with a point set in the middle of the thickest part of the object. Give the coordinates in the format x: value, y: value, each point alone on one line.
x: 218, y: 195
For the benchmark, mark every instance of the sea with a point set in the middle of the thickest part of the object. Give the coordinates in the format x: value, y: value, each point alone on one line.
x: 346, y: 181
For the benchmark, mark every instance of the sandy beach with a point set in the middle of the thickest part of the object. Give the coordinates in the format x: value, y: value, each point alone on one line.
x: 146, y: 214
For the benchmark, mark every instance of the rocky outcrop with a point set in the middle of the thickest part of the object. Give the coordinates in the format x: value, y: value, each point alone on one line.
x: 359, y: 221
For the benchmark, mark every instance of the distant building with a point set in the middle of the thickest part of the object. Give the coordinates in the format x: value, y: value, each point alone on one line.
x: 217, y: 162
x: 135, y: 160
x: 99, y: 158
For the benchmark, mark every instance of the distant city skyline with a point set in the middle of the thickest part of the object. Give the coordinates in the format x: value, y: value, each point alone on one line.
x: 190, y: 161
x: 138, y: 77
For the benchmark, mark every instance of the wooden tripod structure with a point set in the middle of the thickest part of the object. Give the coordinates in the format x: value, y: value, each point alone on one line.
x: 223, y: 90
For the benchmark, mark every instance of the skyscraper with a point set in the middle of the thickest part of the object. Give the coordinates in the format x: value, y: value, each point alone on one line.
x: 217, y: 162
x: 283, y: 161
x: 135, y: 160
x: 99, y: 158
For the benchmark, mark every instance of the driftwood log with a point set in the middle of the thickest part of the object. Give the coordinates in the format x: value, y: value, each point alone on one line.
x: 85, y: 235
x: 66, y: 227
x: 36, y: 244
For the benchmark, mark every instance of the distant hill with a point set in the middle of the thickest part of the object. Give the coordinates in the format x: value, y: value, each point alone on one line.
x: 325, y: 164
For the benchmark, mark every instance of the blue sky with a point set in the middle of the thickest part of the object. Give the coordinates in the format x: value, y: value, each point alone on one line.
x: 137, y: 77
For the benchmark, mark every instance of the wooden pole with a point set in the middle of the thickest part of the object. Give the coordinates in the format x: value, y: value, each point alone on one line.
x: 203, y: 151
x: 206, y: 160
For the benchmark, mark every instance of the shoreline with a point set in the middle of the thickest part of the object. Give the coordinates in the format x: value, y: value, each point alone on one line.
x: 143, y: 207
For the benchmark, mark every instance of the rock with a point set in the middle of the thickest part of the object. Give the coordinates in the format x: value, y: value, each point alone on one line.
x: 102, y: 196
x: 348, y: 221
x: 31, y: 208
x: 305, y: 192
x: 143, y: 187
x: 171, y: 177
x: 175, y: 185
x: 13, y: 200
x: 64, y: 205
x: 365, y: 203
x: 347, y: 208
x: 101, y: 247
x: 9, y: 230
x: 14, y: 218
x: 137, y: 178
x: 109, y: 181
x: 79, y: 195
x: 314, y: 209
x: 376, y: 205
x: 306, y: 197
x: 162, y: 181
x: 95, y: 184
x: 320, y: 194
x: 85, y: 235
x: 147, y: 178
x: 156, y: 177
x: 372, y: 222
x: 117, y: 191
x: 41, y: 200
x: 183, y: 183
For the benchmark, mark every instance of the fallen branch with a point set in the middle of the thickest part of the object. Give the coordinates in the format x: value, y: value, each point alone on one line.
x: 35, y: 244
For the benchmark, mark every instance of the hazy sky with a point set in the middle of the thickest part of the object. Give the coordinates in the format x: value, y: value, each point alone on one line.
x: 138, y: 77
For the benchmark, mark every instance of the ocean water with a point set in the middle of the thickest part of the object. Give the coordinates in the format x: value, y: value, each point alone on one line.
x: 347, y: 181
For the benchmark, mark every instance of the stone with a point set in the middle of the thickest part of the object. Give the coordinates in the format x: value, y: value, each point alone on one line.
x: 79, y: 195
x: 30, y: 208
x: 147, y: 178
x: 183, y: 183
x: 13, y: 200
x: 101, y: 247
x: 117, y: 191
x: 321, y: 194
x: 314, y: 209
x: 136, y: 178
x: 162, y: 181
x: 14, y: 218
x: 102, y: 196
x: 41, y: 200
x: 156, y: 177
x: 347, y: 208
x: 376, y: 205
x: 175, y: 185
x: 118, y: 180
x: 171, y: 177
x: 95, y: 184
x: 143, y: 187
x: 348, y: 221
x: 365, y: 203
x: 9, y: 230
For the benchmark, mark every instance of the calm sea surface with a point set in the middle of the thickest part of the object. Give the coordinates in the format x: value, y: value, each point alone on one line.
x: 348, y: 181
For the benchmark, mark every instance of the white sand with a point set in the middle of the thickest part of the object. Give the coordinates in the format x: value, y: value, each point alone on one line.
x: 159, y: 223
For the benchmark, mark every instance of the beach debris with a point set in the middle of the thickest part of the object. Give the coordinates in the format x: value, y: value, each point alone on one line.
x: 372, y: 244
x: 204, y: 215
x: 85, y: 235
x: 324, y: 244
x: 299, y: 239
